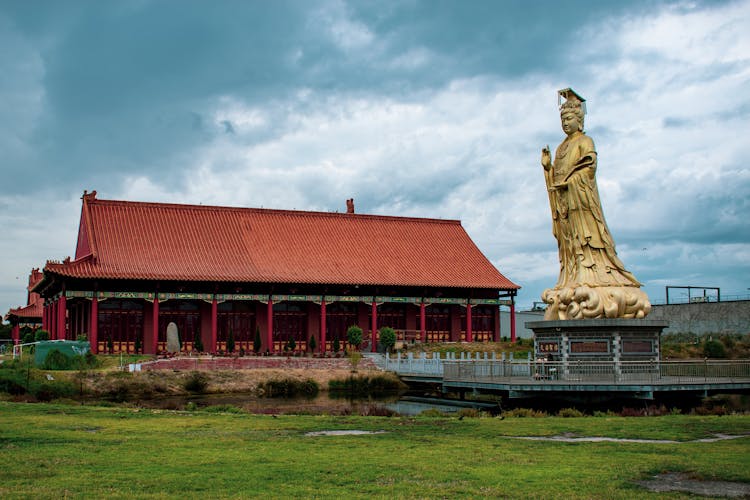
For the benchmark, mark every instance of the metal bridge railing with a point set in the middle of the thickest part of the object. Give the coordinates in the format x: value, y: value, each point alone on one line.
x: 604, y: 372
x: 484, y: 367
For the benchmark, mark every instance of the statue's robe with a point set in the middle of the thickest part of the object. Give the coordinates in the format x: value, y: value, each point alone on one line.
x: 586, y: 248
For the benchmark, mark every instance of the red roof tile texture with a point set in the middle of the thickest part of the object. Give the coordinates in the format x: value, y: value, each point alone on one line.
x: 34, y: 310
x: 155, y: 241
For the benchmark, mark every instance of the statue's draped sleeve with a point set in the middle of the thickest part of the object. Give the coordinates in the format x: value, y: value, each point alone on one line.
x: 582, y: 195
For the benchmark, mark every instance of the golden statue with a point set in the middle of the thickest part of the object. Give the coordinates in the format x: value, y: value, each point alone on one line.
x: 593, y: 282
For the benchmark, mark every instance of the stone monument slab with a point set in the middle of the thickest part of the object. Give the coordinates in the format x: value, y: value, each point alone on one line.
x: 173, y: 338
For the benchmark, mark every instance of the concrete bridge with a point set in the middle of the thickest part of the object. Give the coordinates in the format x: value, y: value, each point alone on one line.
x: 528, y: 378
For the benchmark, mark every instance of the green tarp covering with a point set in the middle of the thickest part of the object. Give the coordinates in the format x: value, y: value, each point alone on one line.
x: 70, y: 348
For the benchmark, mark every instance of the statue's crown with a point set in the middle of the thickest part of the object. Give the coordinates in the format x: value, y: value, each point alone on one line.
x: 572, y: 100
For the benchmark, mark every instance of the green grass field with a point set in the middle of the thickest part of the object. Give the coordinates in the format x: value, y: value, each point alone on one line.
x: 62, y: 451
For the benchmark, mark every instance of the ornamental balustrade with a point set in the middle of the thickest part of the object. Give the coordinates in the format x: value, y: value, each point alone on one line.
x: 487, y: 367
x: 408, y: 364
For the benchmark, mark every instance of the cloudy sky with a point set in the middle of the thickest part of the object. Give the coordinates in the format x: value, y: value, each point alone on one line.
x: 415, y: 108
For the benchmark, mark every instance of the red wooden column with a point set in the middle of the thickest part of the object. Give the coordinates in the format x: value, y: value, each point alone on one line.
x: 15, y: 333
x: 214, y: 327
x: 323, y: 325
x: 422, y: 322
x: 94, y: 325
x: 374, y: 327
x: 269, y: 331
x: 155, y: 325
x: 469, y: 336
x: 44, y: 315
x: 512, y: 320
x: 53, y: 321
x: 61, y: 316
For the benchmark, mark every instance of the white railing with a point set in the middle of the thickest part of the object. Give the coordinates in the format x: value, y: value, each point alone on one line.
x: 433, y: 365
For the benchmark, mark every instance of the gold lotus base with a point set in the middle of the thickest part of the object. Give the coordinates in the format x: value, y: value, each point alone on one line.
x: 584, y: 302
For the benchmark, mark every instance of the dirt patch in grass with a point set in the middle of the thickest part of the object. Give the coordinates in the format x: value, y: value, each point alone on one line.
x: 342, y: 433
x: 570, y: 438
x: 166, y: 382
x: 677, y: 481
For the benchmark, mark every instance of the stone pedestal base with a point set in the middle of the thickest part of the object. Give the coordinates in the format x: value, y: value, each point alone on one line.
x: 586, y: 302
x: 597, y: 339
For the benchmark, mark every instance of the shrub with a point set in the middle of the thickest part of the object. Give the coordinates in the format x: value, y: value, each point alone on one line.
x: 469, y: 413
x: 13, y: 382
x: 312, y: 344
x: 56, y: 360
x: 363, y: 386
x: 432, y: 413
x: 196, y: 382
x: 41, y: 335
x: 289, y: 387
x: 714, y: 349
x: 388, y: 337
x: 608, y: 413
x: 373, y: 410
x: 569, y: 413
x: 336, y: 344
x: 91, y: 361
x: 354, y: 336
x: 47, y: 391
x: 524, y: 413
x: 82, y: 337
x: 223, y: 409
x: 230, y: 341
x: 649, y: 411
x: 291, y: 345
x: 28, y: 338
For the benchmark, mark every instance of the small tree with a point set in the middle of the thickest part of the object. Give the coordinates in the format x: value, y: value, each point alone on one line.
x: 41, y: 335
x: 388, y: 337
x: 28, y: 338
x: 292, y: 344
x: 257, y: 344
x: 354, y: 358
x: 138, y: 345
x: 312, y: 344
x: 354, y: 336
x: 110, y: 345
x: 230, y: 341
x: 198, y: 342
x: 336, y: 344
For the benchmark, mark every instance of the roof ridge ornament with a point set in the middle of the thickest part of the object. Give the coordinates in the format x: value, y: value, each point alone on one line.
x: 89, y: 196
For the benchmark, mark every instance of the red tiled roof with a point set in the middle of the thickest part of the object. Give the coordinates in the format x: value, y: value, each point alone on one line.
x: 156, y: 241
x: 35, y: 306
x: 30, y: 311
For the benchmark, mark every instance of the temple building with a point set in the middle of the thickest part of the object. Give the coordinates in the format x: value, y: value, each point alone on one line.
x: 294, y: 279
x: 30, y: 315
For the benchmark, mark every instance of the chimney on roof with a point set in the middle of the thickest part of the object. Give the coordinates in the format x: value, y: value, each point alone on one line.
x: 350, y: 206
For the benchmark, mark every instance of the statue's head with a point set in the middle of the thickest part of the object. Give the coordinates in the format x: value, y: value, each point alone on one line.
x: 572, y: 110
